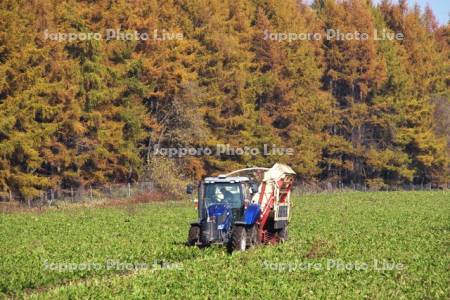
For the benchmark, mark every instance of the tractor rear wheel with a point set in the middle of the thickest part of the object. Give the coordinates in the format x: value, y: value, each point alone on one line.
x: 252, y: 236
x: 238, y: 239
x: 194, y: 235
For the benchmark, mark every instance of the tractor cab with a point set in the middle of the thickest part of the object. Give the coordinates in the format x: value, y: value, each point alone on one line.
x: 232, y: 192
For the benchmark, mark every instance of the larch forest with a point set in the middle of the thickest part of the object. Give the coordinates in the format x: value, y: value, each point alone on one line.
x: 93, y: 111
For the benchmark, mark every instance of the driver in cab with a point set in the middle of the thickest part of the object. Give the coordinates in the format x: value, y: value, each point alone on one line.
x: 227, y: 196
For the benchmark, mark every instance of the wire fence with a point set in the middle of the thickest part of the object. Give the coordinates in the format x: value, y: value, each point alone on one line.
x: 147, y: 189
x: 302, y: 188
x: 89, y: 194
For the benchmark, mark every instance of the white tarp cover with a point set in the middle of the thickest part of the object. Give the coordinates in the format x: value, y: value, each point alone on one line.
x: 277, y: 172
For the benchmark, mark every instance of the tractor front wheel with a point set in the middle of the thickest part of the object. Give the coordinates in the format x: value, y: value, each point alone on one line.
x: 238, y: 239
x: 194, y: 235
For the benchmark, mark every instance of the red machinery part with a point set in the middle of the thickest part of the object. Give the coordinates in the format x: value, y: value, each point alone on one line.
x: 283, y: 187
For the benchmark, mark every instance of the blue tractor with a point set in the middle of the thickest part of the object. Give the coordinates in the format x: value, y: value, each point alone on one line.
x: 239, y: 212
x: 225, y: 213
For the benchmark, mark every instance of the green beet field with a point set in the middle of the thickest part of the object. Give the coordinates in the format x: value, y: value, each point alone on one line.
x: 348, y: 245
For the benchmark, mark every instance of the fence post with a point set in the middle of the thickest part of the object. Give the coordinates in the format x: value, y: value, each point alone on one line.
x: 52, y: 197
x: 90, y: 193
x: 129, y: 190
x: 71, y: 194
